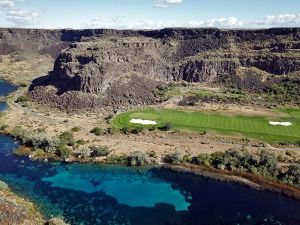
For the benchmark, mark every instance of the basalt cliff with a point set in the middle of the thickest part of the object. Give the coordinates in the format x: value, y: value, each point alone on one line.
x: 96, y: 68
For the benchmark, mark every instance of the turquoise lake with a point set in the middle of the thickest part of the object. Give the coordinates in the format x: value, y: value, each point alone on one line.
x: 88, y: 194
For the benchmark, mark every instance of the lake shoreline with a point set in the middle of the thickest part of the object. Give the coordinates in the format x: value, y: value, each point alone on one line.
x: 240, y: 177
x: 251, y: 180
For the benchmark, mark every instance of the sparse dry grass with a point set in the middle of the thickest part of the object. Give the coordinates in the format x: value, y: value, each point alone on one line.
x: 22, y: 68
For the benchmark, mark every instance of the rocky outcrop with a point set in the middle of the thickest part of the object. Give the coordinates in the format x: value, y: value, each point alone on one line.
x: 111, y: 67
x: 16, y: 210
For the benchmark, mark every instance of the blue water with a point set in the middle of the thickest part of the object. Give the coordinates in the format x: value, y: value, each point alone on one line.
x: 88, y: 194
x: 107, y: 194
x: 3, y: 106
x: 5, y: 89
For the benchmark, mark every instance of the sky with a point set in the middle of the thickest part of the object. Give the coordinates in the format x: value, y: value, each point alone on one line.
x: 149, y: 14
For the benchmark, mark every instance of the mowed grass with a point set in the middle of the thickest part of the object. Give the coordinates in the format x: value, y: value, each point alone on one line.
x: 249, y: 126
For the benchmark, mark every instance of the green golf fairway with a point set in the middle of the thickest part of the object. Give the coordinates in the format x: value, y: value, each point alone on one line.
x: 249, y: 126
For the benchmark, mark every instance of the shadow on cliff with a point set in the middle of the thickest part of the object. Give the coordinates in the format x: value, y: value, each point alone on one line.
x: 62, y: 85
x: 40, y: 81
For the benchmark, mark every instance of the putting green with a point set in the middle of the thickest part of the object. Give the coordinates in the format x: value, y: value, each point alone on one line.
x: 249, y: 126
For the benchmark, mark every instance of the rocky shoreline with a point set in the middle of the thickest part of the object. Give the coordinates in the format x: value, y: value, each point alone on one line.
x: 17, y: 210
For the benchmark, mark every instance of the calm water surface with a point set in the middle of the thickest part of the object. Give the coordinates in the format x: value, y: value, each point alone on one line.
x: 87, y: 194
x: 5, y: 89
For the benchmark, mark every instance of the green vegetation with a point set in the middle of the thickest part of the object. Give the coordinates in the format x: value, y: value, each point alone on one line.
x: 128, y: 130
x: 81, y: 142
x: 202, y: 93
x: 97, y: 131
x: 75, y: 129
x: 138, y: 158
x: 64, y: 152
x: 98, y: 151
x: 264, y: 163
x: 175, y: 157
x: 249, y: 126
x: 117, y: 159
x: 108, y: 118
x: 37, y: 140
x: 63, y: 145
x: 194, y: 96
x: 22, y: 98
x: 164, y: 92
x: 3, y: 127
x: 67, y: 138
x: 83, y: 152
x: 285, y: 92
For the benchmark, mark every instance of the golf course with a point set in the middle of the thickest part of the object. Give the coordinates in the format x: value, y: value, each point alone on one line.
x: 259, y: 128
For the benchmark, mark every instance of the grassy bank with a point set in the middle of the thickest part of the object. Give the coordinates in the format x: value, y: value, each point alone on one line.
x: 249, y: 126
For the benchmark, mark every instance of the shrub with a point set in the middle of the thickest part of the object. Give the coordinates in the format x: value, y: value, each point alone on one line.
x: 75, y: 129
x: 49, y: 144
x: 97, y: 131
x: 166, y: 127
x: 64, y: 151
x: 187, y: 158
x: 121, y: 158
x: 218, y: 160
x: 125, y: 130
x: 202, y: 159
x: 108, y: 118
x: 42, y: 141
x: 268, y: 164
x: 174, y: 158
x: 4, y: 127
x: 112, y: 130
x: 98, y: 151
x: 138, y: 158
x: 152, y: 154
x: 21, y: 134
x: 233, y: 159
x: 67, y: 138
x: 83, y: 152
x: 22, y: 84
x: 36, y: 141
x: 81, y: 142
x: 137, y: 130
x: 41, y: 130
x: 293, y: 174
x: 22, y: 98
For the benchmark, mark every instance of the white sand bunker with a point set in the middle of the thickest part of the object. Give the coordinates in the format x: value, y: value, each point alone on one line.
x: 143, y: 122
x: 280, y: 123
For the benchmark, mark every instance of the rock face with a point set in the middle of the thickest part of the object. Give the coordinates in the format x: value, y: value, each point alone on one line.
x: 115, y: 67
x: 15, y: 210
